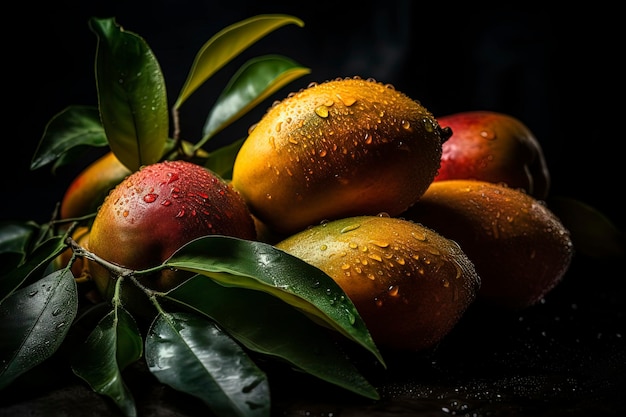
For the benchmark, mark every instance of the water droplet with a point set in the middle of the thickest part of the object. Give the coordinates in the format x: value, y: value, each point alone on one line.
x: 322, y: 111
x: 488, y: 134
x: 375, y: 257
x: 166, y: 203
x: 393, y: 290
x: 171, y: 177
x: 351, y: 317
x: 125, y: 213
x: 56, y: 312
x: 406, y: 125
x: 346, y: 100
x: 150, y: 198
x: 380, y: 243
x: 350, y: 228
x: 428, y: 125
x: 33, y: 293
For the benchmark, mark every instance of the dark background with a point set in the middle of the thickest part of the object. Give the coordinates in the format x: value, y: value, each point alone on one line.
x: 555, y: 70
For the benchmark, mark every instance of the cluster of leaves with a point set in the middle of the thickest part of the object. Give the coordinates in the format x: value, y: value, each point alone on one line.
x: 245, y: 298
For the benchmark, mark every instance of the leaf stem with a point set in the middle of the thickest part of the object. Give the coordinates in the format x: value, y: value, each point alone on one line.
x: 78, y: 250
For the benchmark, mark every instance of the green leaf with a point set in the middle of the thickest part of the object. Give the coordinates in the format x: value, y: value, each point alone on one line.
x: 34, y: 322
x: 593, y: 233
x: 131, y: 95
x: 260, y: 266
x: 15, y: 240
x: 221, y: 160
x: 193, y: 355
x: 255, y: 81
x: 114, y: 344
x: 267, y: 325
x: 73, y: 127
x: 226, y: 45
x: 16, y: 236
x: 34, y: 265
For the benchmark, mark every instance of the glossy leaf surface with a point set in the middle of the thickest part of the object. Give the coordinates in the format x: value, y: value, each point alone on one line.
x: 34, y: 264
x: 112, y: 345
x: 226, y: 45
x: 268, y: 325
x: 255, y: 81
x: 34, y: 322
x: 73, y: 127
x: 260, y: 266
x: 132, y: 95
x: 16, y: 236
x: 191, y: 354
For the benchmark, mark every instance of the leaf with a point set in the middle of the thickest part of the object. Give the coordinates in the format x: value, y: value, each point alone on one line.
x: 226, y: 45
x: 193, y: 355
x: 255, y: 81
x: 15, y: 236
x: 34, y: 265
x: 34, y: 322
x: 221, y: 160
x: 260, y: 266
x: 593, y: 233
x: 114, y: 344
x: 131, y: 95
x: 73, y: 127
x: 267, y: 325
x: 15, y: 239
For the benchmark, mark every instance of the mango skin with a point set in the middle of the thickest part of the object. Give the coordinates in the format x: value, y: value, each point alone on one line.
x: 520, y: 248
x: 336, y: 149
x: 90, y: 187
x: 155, y: 211
x: 494, y: 147
x: 409, y: 284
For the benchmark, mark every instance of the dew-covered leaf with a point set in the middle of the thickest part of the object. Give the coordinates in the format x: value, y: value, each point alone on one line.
x: 267, y: 325
x: 254, y: 82
x: 228, y: 43
x: 112, y: 345
x: 132, y: 95
x: 73, y: 127
x: 192, y: 354
x: 34, y: 322
x: 260, y: 266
